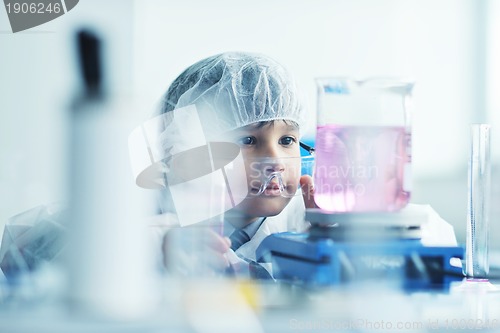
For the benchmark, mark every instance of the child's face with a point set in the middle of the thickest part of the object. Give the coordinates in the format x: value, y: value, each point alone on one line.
x: 266, y: 148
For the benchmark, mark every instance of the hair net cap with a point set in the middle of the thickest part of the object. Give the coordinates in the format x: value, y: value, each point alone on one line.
x: 211, y: 97
x: 232, y: 90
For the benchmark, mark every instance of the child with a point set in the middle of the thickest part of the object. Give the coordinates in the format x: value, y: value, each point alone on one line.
x: 249, y: 100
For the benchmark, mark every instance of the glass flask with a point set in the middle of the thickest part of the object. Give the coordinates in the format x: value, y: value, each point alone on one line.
x: 363, y: 144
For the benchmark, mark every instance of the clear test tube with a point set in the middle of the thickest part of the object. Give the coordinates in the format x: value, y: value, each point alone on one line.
x: 477, y: 265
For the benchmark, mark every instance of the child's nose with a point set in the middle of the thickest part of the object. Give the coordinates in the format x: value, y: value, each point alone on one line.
x: 274, y: 165
x: 273, y: 159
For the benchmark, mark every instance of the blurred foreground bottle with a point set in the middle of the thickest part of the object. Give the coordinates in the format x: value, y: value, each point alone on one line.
x: 110, y: 268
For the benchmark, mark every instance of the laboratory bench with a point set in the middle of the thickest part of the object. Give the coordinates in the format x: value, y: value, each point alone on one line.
x: 232, y: 305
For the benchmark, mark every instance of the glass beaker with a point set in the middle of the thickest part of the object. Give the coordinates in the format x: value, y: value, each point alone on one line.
x: 363, y: 144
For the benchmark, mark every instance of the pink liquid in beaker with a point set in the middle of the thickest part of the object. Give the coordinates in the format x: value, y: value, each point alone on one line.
x: 362, y: 168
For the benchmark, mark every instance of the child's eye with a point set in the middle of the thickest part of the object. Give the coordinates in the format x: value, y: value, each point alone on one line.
x: 287, y: 140
x: 247, y: 140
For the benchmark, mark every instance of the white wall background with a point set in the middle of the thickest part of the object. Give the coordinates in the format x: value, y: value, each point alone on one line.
x: 38, y: 81
x: 450, y: 48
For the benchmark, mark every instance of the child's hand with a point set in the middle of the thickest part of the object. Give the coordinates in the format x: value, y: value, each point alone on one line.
x: 190, y: 250
x: 306, y: 184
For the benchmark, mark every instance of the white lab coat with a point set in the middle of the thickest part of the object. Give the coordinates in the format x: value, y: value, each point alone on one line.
x: 290, y: 219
